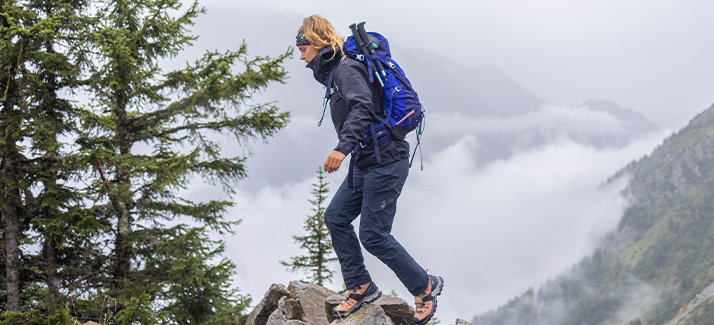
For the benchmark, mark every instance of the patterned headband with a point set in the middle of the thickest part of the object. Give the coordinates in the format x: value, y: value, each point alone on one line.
x: 301, y: 40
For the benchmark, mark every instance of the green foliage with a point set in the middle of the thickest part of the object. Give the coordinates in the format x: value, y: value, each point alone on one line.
x: 137, y: 309
x: 41, y: 49
x: 160, y: 274
x: 96, y: 186
x: 317, y: 242
x: 35, y: 317
x: 703, y: 315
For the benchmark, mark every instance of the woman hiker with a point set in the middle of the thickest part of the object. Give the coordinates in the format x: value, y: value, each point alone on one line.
x: 376, y: 186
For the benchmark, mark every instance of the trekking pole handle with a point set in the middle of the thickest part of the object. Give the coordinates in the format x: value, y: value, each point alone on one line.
x: 365, y: 39
x: 363, y: 48
x: 358, y: 40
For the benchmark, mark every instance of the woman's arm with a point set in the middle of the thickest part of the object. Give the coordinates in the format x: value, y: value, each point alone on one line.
x: 353, y: 83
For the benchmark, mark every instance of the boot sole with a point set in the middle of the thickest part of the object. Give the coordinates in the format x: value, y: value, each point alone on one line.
x: 365, y: 300
x: 436, y: 292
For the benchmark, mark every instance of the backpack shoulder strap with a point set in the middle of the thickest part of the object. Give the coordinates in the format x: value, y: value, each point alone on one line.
x: 329, y: 90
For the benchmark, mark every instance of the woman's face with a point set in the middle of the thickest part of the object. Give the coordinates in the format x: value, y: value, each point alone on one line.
x: 307, y: 53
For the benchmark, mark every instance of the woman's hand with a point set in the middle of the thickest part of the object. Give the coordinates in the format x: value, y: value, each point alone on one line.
x: 333, y: 161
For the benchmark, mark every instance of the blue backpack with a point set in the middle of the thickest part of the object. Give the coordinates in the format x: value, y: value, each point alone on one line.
x: 403, y: 113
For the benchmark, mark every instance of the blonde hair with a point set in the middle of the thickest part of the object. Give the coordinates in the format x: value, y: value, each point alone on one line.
x: 320, y: 33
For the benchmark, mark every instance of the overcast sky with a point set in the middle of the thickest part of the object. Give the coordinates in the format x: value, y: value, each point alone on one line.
x: 651, y: 56
x: 506, y: 225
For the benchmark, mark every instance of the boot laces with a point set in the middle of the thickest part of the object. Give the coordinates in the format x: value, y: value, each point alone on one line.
x: 421, y: 306
x: 346, y: 301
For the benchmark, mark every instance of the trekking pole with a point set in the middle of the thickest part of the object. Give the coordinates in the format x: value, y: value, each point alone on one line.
x: 363, y: 47
x: 370, y: 48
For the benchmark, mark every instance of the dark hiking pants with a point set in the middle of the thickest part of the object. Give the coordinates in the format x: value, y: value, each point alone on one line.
x: 374, y: 195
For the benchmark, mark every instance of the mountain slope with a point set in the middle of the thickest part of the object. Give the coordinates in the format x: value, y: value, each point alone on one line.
x: 659, y: 259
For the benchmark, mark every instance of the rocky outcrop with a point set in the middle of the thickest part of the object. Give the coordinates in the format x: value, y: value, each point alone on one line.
x: 310, y: 304
x: 267, y: 305
x: 460, y: 321
x: 398, y: 310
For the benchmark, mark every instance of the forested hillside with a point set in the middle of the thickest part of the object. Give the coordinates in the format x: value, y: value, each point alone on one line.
x: 661, y: 257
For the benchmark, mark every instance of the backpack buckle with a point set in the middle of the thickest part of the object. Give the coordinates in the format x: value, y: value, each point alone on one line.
x: 362, y: 145
x: 390, y: 64
x: 359, y: 57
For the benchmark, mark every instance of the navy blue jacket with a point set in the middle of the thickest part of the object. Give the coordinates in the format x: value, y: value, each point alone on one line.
x: 353, y: 108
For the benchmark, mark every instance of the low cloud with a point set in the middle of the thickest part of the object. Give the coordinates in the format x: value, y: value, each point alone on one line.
x: 550, y: 120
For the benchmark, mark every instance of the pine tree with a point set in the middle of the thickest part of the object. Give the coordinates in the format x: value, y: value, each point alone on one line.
x: 145, y: 136
x: 317, y: 242
x: 33, y: 116
x: 58, y: 220
x: 15, y: 39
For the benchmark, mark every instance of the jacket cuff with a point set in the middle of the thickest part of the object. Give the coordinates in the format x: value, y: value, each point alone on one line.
x: 343, y: 150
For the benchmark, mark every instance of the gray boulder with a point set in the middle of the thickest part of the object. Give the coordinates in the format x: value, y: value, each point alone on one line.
x: 398, y: 310
x: 460, y: 321
x: 288, y: 309
x: 267, y: 305
x: 311, y: 299
x: 367, y: 315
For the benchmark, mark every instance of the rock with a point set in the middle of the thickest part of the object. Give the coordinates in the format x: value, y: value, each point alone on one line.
x: 330, y: 303
x: 460, y: 321
x: 267, y: 305
x: 295, y: 287
x: 311, y: 299
x: 398, y: 310
x: 295, y: 322
x: 288, y: 309
x: 367, y: 315
x: 91, y: 323
x: 276, y: 318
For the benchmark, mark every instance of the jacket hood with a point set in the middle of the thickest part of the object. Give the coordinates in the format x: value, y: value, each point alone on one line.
x: 320, y: 65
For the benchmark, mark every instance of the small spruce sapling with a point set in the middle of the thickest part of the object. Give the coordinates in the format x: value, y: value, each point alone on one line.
x: 317, y: 242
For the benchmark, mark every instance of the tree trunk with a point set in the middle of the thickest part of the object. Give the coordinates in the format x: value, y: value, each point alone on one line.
x: 52, y: 279
x: 124, y: 183
x: 50, y: 246
x: 122, y: 251
x: 10, y: 173
x: 11, y: 201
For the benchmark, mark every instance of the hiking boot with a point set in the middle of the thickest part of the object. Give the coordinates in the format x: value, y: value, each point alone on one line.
x: 356, y: 298
x: 426, y: 301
